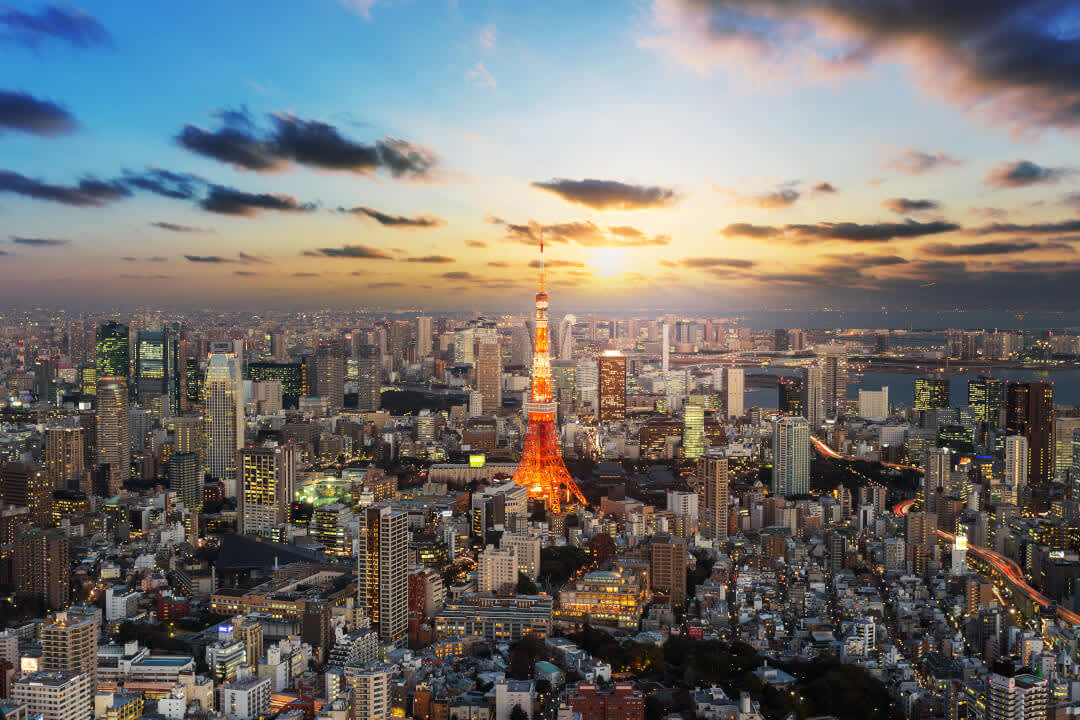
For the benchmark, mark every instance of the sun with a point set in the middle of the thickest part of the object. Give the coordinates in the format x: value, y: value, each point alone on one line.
x: 607, y: 262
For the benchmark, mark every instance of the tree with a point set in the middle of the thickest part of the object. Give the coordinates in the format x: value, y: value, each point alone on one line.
x: 523, y: 656
x: 525, y: 586
x: 517, y: 713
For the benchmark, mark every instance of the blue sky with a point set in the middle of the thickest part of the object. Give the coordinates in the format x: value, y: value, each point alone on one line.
x: 723, y: 115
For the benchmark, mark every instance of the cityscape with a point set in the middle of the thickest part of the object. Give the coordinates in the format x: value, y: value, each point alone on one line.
x: 484, y: 360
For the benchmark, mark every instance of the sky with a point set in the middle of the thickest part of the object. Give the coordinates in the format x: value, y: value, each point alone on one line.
x: 709, y: 156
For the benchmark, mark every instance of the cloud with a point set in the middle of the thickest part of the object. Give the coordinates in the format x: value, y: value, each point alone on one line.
x: 475, y: 244
x: 983, y: 248
x: 862, y: 261
x: 88, y: 193
x: 383, y: 285
x: 1063, y: 226
x: 55, y: 22
x: 1010, y: 61
x: 500, y: 264
x: 311, y: 143
x: 916, y: 162
x: 38, y: 241
x: 1023, y: 173
x: 609, y: 194
x: 582, y: 232
x: 129, y: 258
x: 174, y: 227
x: 360, y: 7
x: 230, y: 201
x: 841, y: 231
x: 489, y: 36
x: 133, y: 276
x: 555, y: 263
x: 480, y: 77
x: 209, y: 259
x: 824, y: 187
x: 701, y: 263
x: 245, y: 273
x: 252, y: 258
x: 402, y: 221
x: 988, y: 212
x: 305, y: 274
x: 434, y: 259
x: 352, y: 251
x: 175, y: 185
x: 907, y: 205
x: 458, y: 275
x: 26, y: 113
x: 773, y: 200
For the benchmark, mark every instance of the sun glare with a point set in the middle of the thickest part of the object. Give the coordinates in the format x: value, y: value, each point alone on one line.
x: 607, y: 262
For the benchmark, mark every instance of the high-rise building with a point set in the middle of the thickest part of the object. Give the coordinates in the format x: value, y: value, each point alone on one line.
x: 712, y: 481
x: 874, y: 404
x: 186, y: 479
x: 497, y: 571
x: 279, y: 343
x: 113, y: 359
x: 734, y: 391
x: 65, y: 456
x: 526, y: 547
x: 665, y: 347
x: 667, y: 567
x: 566, y: 338
x: 1029, y: 411
x: 266, y: 477
x: 69, y: 641
x: 158, y: 367
x: 57, y: 695
x: 383, y: 562
x: 1016, y: 694
x: 330, y: 374
x: 791, y: 456
x: 290, y: 375
x: 114, y: 430
x: 223, y: 408
x: 423, y: 336
x: 28, y: 485
x: 489, y: 376
x: 987, y: 396
x: 931, y: 393
x: 611, y: 367
x: 791, y: 396
x: 368, y: 380
x: 814, y: 400
x: 1017, y: 461
x: 41, y: 567
x: 694, y: 428
x: 370, y: 690
x: 834, y: 377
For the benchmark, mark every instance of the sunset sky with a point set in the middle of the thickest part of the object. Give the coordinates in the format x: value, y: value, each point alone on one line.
x: 711, y: 155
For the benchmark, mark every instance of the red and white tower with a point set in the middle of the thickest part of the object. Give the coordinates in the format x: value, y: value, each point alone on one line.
x: 542, y: 469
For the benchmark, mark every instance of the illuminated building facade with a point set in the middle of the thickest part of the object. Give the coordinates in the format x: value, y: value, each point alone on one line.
x: 114, y: 430
x: 931, y: 393
x: 611, y: 367
x: 1029, y: 411
x: 382, y: 573
x: 223, y: 406
x: 267, y: 483
x: 113, y: 354
x: 610, y: 598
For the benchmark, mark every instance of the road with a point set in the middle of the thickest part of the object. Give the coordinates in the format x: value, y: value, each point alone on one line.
x: 1008, y: 569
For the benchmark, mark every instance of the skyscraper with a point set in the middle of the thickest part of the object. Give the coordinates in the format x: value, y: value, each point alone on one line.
x: 267, y: 480
x: 423, y: 336
x: 112, y: 355
x: 27, y: 484
x: 712, y: 482
x: 64, y: 456
x: 814, y: 388
x: 611, y: 367
x: 223, y: 408
x: 566, y: 337
x: 69, y: 641
x: 987, y: 396
x: 791, y: 456
x: 734, y: 391
x: 41, y: 567
x: 383, y: 558
x: 114, y: 430
x: 931, y: 393
x: 489, y: 376
x: 1029, y: 411
x: 368, y: 382
x: 693, y: 438
x: 158, y: 367
x: 186, y: 479
x: 791, y: 396
x: 330, y: 374
x: 665, y: 347
x: 834, y: 377
x: 1017, y: 461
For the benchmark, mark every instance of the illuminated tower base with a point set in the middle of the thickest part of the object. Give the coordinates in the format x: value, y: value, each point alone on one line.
x: 542, y: 470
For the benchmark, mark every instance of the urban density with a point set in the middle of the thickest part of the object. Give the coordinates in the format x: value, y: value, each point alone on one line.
x: 351, y: 369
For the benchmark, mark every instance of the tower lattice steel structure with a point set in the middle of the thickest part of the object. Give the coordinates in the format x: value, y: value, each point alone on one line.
x: 542, y: 469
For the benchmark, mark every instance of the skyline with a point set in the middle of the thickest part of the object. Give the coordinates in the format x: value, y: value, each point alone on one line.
x: 717, y: 156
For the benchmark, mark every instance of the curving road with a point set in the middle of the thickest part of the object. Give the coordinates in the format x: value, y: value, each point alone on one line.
x: 1008, y: 569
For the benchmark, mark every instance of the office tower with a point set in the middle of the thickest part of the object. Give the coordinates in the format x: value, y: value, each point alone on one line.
x: 734, y: 391
x: 921, y: 528
x: 541, y: 469
x: 69, y: 641
x: 1017, y: 461
x: 791, y: 456
x: 588, y: 382
x: 383, y: 570
x: 464, y: 346
x: 27, y: 484
x: 189, y: 434
x: 64, y: 456
x: 566, y: 337
x: 114, y: 430
x: 712, y: 481
x: 194, y: 378
x: 874, y: 404
x: 41, y: 567
x: 936, y: 478
x: 423, y: 337
x: 55, y: 695
x: 158, y: 367
x: 611, y: 368
x: 834, y: 377
x: 278, y: 345
x: 931, y: 393
x: 667, y: 567
x: 1029, y: 411
x: 987, y: 396
x: 370, y: 690
x: 693, y: 438
x: 489, y: 376
x: 223, y: 410
x: 45, y: 379
x: 266, y: 477
x: 564, y: 385
x: 780, y: 340
x: 330, y: 374
x: 113, y: 359
x: 186, y: 479
x: 814, y: 400
x: 497, y: 571
x: 289, y: 375
x: 791, y: 396
x: 368, y: 382
x: 665, y: 348
x: 526, y: 547
x: 1016, y: 694
x: 520, y: 346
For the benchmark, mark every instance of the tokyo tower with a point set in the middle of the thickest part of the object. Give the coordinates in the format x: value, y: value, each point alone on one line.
x: 542, y: 469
